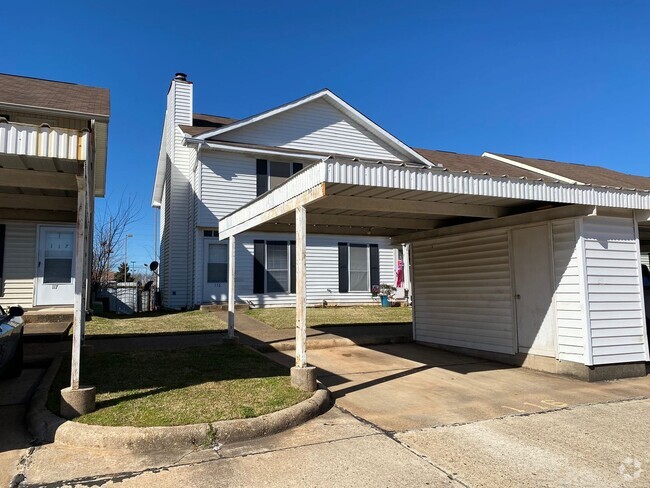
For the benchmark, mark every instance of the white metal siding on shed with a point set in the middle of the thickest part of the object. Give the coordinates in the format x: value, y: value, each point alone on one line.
x: 322, y: 270
x: 570, y: 314
x: 314, y: 126
x: 463, y: 291
x: 615, y: 297
x: 19, y: 263
x: 228, y: 181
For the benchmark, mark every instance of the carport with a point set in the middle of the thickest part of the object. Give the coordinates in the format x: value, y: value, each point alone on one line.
x: 509, y: 262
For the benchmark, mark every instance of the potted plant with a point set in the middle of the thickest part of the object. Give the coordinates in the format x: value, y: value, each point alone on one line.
x: 386, y: 292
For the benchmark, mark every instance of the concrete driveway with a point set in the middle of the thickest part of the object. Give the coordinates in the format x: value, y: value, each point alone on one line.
x: 401, y: 387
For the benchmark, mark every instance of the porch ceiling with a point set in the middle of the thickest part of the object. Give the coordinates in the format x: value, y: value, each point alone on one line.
x: 38, y: 188
x: 362, y: 210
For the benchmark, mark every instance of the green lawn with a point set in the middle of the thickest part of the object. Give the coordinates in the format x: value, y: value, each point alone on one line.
x: 154, y: 323
x: 185, y: 386
x: 285, y: 318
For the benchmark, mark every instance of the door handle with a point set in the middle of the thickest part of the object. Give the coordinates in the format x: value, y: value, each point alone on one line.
x: 518, y: 296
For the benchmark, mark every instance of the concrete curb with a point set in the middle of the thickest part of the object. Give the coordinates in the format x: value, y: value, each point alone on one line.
x: 47, y: 427
x: 329, y: 343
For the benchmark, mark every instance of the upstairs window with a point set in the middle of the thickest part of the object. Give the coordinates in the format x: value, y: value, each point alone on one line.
x: 271, y: 174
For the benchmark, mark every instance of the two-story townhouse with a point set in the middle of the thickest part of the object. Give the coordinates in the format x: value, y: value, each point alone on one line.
x: 209, y: 166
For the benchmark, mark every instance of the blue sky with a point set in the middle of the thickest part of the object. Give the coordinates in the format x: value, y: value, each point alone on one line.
x: 564, y: 80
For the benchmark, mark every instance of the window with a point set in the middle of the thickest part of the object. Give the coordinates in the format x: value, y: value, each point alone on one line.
x: 277, y: 266
x: 274, y: 267
x: 217, y: 263
x: 271, y: 174
x: 358, y: 267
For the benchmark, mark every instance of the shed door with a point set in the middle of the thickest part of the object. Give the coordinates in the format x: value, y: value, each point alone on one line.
x: 215, y: 282
x: 534, y: 290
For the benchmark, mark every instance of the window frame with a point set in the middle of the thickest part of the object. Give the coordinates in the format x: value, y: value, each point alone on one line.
x: 287, y: 245
x: 367, y: 251
x: 268, y: 162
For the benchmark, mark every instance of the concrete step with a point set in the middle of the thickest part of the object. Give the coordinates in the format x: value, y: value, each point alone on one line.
x: 222, y: 307
x: 44, y: 317
x: 46, y: 332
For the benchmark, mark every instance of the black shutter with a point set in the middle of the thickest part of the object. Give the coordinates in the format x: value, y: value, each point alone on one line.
x: 292, y: 266
x: 262, y: 176
x: 2, y: 252
x: 258, y: 267
x: 296, y: 167
x: 374, y: 265
x: 344, y: 277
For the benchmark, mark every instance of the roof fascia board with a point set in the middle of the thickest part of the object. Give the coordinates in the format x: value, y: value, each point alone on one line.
x: 339, y: 103
x: 156, y: 199
x: 53, y: 111
x: 216, y: 146
x: 531, y: 168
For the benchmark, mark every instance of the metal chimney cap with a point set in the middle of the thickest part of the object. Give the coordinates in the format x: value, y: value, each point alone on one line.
x: 180, y: 76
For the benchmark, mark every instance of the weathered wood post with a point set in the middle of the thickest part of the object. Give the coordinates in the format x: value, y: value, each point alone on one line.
x: 77, y: 400
x: 231, y: 287
x: 302, y: 376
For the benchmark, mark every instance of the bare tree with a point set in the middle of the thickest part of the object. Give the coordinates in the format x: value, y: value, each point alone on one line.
x: 110, y: 229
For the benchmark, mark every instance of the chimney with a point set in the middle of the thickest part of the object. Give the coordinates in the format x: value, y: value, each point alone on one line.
x: 180, y: 99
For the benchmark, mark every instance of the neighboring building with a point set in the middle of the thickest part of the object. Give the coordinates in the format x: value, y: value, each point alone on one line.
x: 53, y: 143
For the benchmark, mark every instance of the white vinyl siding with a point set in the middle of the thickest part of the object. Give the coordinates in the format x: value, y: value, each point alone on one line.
x: 322, y: 270
x: 19, y: 264
x: 315, y: 126
x: 228, y: 181
x: 570, y: 314
x: 614, y: 290
x: 463, y: 291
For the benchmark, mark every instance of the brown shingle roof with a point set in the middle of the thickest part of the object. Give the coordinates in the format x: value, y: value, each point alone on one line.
x: 54, y: 95
x: 202, y: 123
x: 459, y: 163
x: 591, y: 175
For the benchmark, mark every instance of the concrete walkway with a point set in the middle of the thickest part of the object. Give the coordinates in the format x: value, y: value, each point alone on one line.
x: 266, y: 338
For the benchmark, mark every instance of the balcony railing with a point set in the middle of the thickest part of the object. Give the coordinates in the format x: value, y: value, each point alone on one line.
x: 43, y: 141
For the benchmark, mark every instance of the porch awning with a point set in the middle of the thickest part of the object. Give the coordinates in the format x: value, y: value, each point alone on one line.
x: 407, y: 201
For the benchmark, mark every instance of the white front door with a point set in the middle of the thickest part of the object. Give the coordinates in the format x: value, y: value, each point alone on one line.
x: 215, y: 272
x: 55, y: 267
x: 534, y: 290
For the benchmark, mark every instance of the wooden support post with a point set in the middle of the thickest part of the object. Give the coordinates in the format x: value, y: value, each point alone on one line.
x: 301, y: 285
x: 79, y: 280
x: 231, y: 287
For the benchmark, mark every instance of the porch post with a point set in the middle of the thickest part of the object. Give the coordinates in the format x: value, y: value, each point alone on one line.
x: 231, y: 287
x: 76, y: 400
x: 302, y: 376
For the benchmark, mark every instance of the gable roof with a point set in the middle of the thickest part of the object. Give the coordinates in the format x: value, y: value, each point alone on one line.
x: 50, y: 95
x: 338, y: 103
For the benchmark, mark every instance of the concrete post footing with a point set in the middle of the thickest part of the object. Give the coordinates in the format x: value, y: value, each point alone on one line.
x: 304, y: 378
x: 77, y: 402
